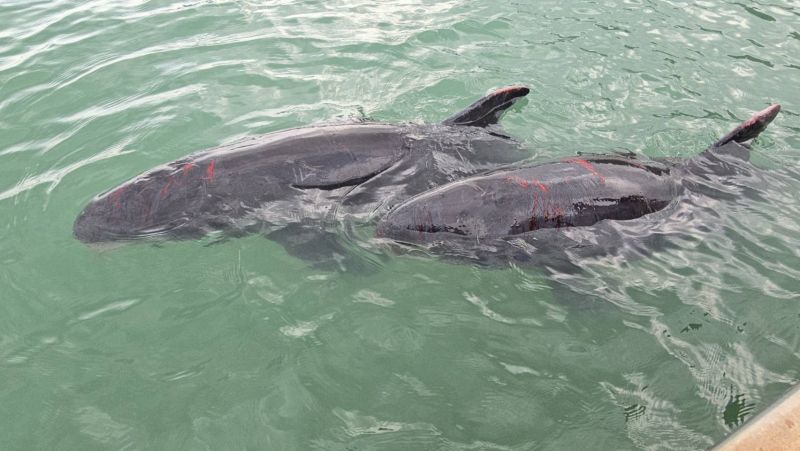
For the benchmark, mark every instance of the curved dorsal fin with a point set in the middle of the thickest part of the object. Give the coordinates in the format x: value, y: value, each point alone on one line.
x: 488, y: 109
x: 750, y: 128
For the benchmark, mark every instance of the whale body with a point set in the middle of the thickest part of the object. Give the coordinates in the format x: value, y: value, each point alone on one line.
x: 535, y: 206
x: 301, y: 175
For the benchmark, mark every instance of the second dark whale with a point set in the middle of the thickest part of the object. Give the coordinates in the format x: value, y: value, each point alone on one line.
x: 545, y: 211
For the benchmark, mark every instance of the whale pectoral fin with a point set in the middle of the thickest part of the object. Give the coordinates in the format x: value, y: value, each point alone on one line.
x: 750, y: 128
x: 487, y: 110
x: 345, y: 173
x: 322, y: 249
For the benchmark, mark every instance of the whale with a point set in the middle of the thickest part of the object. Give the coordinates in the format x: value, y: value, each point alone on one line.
x: 304, y: 176
x: 566, y: 209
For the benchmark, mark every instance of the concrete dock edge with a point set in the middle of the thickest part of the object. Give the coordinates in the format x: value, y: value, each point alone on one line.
x: 777, y: 428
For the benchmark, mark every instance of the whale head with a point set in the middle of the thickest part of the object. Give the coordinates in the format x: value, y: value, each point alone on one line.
x: 151, y: 206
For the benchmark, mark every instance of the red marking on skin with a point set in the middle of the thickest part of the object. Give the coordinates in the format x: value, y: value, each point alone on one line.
x: 165, y: 189
x: 588, y: 166
x: 542, y: 187
x: 763, y: 117
x: 533, y: 224
x: 422, y: 227
x: 560, y: 222
x: 518, y: 180
x: 186, y: 168
x: 146, y: 213
x: 507, y: 89
x: 527, y: 184
x: 116, y: 196
x: 210, y: 171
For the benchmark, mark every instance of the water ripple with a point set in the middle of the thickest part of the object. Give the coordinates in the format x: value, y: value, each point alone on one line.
x: 240, y: 344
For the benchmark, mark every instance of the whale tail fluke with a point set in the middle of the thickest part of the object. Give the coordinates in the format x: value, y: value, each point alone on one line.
x: 488, y: 109
x: 750, y: 128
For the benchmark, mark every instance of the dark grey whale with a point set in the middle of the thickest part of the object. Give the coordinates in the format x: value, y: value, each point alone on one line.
x: 302, y: 175
x: 528, y: 211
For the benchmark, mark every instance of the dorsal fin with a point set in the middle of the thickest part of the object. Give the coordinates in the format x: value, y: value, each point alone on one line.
x: 750, y: 128
x: 487, y: 110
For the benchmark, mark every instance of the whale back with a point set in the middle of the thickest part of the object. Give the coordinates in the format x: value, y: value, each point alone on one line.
x: 573, y: 192
x: 210, y: 190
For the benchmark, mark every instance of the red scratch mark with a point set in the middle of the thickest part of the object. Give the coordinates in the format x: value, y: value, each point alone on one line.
x: 210, y: 171
x: 527, y: 183
x: 507, y: 89
x: 165, y: 189
x: 518, y: 180
x: 116, y: 196
x: 146, y: 213
x: 588, y: 166
x: 542, y: 187
x: 187, y: 168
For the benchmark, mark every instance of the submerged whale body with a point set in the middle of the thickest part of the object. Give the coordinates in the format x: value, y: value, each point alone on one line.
x: 300, y: 175
x: 533, y: 209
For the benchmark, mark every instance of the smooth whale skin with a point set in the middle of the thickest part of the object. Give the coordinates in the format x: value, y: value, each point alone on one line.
x: 300, y: 175
x: 553, y: 204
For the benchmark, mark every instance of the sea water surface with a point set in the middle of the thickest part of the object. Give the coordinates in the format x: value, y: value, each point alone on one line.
x: 239, y: 345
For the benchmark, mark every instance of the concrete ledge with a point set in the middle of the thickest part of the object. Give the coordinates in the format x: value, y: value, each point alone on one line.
x: 777, y: 428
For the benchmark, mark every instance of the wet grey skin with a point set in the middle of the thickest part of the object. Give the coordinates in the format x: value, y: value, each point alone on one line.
x: 302, y: 175
x: 540, y: 204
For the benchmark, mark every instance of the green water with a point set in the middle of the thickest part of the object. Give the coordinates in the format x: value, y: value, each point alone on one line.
x: 242, y: 346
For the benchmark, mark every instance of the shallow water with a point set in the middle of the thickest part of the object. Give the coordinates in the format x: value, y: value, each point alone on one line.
x: 240, y: 345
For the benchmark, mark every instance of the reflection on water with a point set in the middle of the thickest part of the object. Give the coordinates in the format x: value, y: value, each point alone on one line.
x: 223, y: 344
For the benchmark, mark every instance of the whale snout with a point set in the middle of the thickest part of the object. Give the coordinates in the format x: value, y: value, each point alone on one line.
x: 93, y: 226
x: 133, y: 212
x: 116, y: 215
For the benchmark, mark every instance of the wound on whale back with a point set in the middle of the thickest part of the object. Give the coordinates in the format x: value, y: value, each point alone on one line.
x: 487, y: 110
